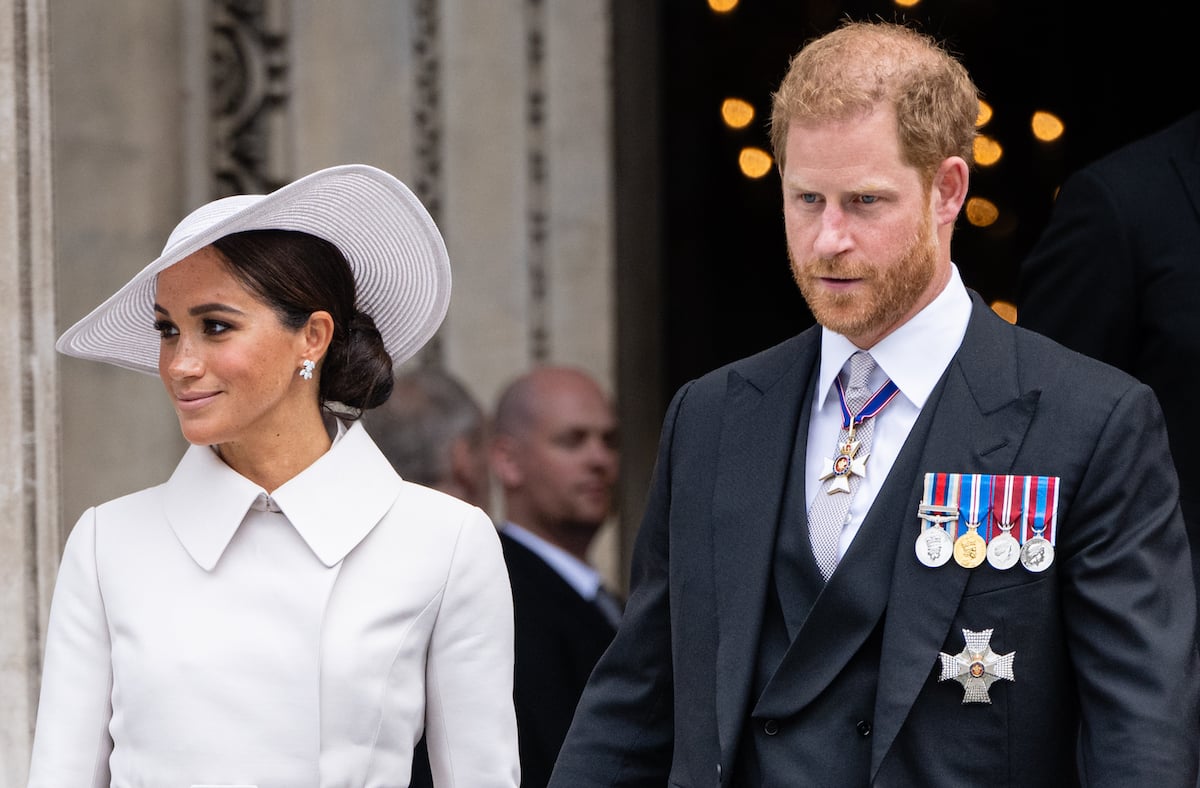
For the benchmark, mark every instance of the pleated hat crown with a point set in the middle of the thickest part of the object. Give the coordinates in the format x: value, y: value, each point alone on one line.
x: 401, y: 268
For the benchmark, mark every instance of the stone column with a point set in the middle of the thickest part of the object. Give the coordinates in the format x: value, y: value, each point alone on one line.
x: 29, y: 542
x: 528, y: 194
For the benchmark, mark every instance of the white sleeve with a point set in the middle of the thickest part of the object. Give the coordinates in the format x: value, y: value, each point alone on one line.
x: 71, y: 744
x: 470, y: 724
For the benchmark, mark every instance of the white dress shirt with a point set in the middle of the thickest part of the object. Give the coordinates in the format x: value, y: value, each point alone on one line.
x: 914, y: 356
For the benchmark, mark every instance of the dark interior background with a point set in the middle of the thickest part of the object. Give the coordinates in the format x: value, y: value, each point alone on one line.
x: 726, y: 287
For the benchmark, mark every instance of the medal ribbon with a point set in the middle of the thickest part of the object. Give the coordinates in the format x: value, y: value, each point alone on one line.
x: 1029, y: 502
x: 931, y: 497
x: 1007, y: 497
x: 1052, y: 511
x: 1043, y: 516
x: 878, y: 401
x: 953, y: 496
x: 964, y: 513
x: 976, y: 489
x: 937, y: 493
x: 1027, y: 512
x: 981, y: 499
x: 1046, y: 512
x: 941, y: 489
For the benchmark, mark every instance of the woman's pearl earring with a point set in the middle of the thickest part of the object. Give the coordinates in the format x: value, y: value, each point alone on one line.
x: 306, y: 368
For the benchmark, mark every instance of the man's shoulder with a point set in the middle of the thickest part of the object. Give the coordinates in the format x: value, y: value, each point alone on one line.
x: 1129, y: 164
x: 526, y: 567
x: 1047, y: 363
x: 538, y: 589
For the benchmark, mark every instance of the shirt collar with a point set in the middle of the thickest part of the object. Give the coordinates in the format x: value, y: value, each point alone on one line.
x: 916, y: 354
x: 333, y: 503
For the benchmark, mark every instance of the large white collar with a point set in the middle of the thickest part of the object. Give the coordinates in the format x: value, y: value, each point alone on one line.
x: 333, y: 503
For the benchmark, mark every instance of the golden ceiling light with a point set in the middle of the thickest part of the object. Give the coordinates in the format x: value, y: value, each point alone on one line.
x: 981, y: 212
x: 722, y: 6
x: 755, y: 162
x: 985, y: 114
x: 737, y: 113
x: 906, y: 3
x: 987, y: 151
x: 1005, y: 310
x: 1047, y: 126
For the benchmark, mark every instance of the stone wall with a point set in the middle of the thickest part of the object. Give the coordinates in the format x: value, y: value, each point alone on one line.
x: 29, y: 450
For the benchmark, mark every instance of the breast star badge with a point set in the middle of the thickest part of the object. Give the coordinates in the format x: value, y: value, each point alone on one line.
x: 977, y: 666
x: 842, y: 467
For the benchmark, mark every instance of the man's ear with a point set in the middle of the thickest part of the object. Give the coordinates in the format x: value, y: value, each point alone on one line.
x: 503, y: 462
x: 949, y: 189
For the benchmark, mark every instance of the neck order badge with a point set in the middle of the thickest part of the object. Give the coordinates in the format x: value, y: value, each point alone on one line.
x: 840, y: 469
x: 844, y: 473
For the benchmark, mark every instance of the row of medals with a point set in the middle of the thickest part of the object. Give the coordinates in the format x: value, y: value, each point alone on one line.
x: 935, y: 546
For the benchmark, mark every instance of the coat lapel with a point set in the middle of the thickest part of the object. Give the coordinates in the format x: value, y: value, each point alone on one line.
x: 767, y: 397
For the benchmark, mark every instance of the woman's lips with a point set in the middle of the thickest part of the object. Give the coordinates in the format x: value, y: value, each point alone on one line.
x: 190, y: 402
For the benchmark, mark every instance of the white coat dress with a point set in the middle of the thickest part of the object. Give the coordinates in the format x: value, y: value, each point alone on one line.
x: 203, y: 633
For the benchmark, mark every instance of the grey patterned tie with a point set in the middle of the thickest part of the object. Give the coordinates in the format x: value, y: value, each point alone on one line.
x: 831, y: 508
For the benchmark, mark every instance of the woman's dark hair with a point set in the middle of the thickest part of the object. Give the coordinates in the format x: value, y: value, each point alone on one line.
x: 297, y: 274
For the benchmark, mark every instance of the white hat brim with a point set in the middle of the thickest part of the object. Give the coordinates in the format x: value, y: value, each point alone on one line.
x: 401, y: 268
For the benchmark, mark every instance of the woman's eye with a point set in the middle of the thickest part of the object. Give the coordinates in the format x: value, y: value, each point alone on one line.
x: 216, y: 327
x: 165, y: 329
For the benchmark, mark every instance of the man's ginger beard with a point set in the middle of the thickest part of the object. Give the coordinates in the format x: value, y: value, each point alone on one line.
x: 894, y: 286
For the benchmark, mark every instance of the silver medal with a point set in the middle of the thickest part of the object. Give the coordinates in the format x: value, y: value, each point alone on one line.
x: 934, y: 546
x: 1037, y: 554
x: 1004, y: 551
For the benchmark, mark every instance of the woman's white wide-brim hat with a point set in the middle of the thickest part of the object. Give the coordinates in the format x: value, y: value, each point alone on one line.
x: 401, y: 269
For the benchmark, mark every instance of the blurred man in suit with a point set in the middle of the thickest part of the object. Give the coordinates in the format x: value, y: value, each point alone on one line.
x: 1116, y: 275
x: 554, y: 454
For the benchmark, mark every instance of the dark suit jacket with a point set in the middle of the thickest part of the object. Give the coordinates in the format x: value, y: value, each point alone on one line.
x: 559, y: 637
x: 1103, y: 640
x: 1116, y: 275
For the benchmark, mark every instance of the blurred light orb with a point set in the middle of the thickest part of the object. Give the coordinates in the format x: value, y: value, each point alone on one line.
x: 1046, y: 126
x: 982, y: 212
x: 737, y: 113
x: 987, y: 151
x: 755, y: 162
